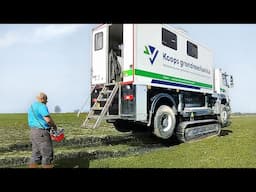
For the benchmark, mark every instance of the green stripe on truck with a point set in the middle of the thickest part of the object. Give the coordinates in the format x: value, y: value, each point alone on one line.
x: 166, y: 78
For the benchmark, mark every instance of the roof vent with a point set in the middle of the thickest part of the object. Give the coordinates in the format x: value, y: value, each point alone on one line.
x: 181, y: 30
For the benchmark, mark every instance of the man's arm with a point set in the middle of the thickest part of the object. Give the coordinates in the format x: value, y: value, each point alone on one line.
x: 50, y: 121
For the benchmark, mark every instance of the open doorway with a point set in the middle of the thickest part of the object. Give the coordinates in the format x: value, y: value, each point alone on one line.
x: 115, y: 57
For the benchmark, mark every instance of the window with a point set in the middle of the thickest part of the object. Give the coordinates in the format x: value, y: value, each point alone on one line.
x: 98, y: 41
x: 192, y: 50
x: 169, y: 39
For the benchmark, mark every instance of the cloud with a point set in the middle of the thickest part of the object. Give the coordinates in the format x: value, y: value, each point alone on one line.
x: 55, y: 31
x: 8, y: 39
x: 38, y: 34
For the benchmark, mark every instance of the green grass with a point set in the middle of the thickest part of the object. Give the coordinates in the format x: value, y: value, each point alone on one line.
x: 236, y: 149
x: 14, y: 128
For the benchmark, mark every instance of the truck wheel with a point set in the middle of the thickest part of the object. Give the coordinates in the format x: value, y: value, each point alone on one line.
x: 123, y: 125
x: 164, y: 122
x: 224, y: 116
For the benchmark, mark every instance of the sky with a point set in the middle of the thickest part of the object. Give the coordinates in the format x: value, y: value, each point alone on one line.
x: 55, y: 59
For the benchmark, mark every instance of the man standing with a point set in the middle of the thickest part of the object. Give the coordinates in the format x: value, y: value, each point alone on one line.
x: 40, y: 122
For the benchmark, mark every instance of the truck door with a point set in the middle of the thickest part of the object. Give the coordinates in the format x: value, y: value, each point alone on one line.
x: 100, y: 54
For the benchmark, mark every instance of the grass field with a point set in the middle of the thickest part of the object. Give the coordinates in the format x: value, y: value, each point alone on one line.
x: 234, y: 148
x: 14, y: 128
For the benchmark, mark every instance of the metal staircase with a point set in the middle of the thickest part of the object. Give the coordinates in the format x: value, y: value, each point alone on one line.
x: 100, y: 109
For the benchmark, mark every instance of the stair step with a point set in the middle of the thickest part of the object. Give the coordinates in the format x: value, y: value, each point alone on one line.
x: 102, y: 99
x: 97, y: 108
x: 94, y: 116
x: 106, y: 92
x: 102, y: 110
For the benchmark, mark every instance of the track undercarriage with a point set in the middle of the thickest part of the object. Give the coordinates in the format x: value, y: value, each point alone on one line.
x: 194, y: 130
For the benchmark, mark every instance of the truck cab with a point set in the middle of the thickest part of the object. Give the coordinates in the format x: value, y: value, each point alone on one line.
x: 223, y: 82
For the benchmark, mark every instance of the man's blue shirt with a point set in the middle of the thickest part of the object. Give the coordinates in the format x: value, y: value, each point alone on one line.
x: 36, y: 116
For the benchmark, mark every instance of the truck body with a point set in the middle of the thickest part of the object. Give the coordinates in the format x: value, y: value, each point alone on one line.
x: 156, y: 77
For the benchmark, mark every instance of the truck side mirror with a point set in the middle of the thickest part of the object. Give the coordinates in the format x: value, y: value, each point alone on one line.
x: 231, y: 81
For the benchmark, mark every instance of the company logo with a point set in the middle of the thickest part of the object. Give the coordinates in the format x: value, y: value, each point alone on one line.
x: 152, y: 52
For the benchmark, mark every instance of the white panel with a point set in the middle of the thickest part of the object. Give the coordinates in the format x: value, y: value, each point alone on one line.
x: 141, y: 102
x: 128, y: 50
x: 100, y: 57
x: 161, y: 63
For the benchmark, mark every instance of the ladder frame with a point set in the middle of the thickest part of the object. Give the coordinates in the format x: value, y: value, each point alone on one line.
x: 104, y: 114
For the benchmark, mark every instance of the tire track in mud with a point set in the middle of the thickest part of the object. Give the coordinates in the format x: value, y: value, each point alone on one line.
x: 62, y: 158
x: 79, y: 141
x: 138, y: 143
x: 87, y: 141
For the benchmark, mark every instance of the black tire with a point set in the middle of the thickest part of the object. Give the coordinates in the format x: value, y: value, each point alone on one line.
x: 164, y: 122
x: 224, y: 116
x: 123, y: 125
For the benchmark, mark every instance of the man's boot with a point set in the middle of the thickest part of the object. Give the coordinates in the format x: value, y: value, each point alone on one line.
x: 33, y: 165
x: 48, y: 166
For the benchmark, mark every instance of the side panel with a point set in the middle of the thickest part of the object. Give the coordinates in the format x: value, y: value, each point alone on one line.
x: 128, y: 53
x: 100, y: 55
x: 141, y: 102
x: 159, y: 65
x: 217, y: 80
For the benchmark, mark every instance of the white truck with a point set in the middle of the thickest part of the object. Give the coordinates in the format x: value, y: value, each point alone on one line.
x: 153, y: 76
